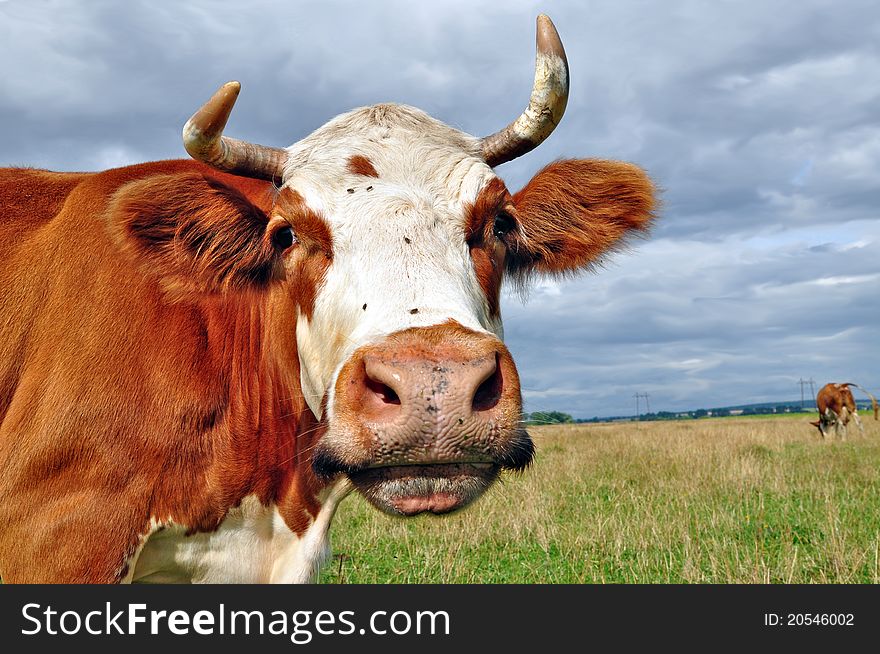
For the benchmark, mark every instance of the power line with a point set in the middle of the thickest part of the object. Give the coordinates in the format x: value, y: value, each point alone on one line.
x: 806, y: 382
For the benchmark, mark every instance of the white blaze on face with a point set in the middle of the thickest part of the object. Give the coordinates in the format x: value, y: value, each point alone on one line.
x: 399, y: 244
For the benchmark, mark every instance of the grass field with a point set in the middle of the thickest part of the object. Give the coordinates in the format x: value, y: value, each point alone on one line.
x: 728, y: 500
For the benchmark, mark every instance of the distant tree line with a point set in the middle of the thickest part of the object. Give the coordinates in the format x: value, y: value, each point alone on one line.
x: 558, y: 417
x: 547, y: 418
x: 705, y: 413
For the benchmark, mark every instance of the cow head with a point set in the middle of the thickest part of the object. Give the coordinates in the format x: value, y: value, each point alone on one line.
x: 391, y: 233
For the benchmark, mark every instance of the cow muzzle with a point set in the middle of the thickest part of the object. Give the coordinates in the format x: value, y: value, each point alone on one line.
x: 426, y: 420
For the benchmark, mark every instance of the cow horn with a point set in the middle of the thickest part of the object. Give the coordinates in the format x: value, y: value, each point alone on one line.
x: 203, y: 139
x: 546, y: 106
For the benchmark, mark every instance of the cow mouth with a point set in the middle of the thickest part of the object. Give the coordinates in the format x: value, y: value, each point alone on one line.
x: 439, y: 488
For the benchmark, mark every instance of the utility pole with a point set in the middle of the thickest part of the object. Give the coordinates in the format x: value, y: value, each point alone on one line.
x: 806, y: 382
x: 637, y: 396
x: 647, y: 404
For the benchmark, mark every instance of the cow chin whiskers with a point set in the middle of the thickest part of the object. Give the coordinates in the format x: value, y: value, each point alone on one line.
x: 328, y: 462
x: 519, y: 453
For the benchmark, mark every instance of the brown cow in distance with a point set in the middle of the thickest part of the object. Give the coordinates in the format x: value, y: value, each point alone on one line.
x: 200, y: 359
x: 836, y: 405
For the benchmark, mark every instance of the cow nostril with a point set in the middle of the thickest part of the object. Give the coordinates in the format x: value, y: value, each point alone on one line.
x: 489, y: 392
x: 384, y: 392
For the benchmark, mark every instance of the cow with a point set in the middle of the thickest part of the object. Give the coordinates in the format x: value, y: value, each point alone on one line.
x: 199, y: 359
x: 836, y: 404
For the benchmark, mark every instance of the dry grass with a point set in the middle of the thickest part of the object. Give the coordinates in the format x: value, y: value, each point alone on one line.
x: 709, y: 501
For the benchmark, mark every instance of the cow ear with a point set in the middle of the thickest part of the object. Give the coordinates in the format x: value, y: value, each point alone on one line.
x: 195, y: 233
x: 573, y: 212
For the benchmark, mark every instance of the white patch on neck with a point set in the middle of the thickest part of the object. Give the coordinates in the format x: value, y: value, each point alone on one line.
x: 252, y: 545
x: 301, y: 565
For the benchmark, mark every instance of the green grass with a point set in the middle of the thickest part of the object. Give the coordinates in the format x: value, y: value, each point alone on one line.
x: 730, y: 500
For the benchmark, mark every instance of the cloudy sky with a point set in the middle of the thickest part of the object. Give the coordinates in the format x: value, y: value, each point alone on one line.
x: 760, y: 120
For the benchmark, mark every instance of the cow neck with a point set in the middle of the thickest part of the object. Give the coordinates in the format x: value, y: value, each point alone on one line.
x: 269, y: 430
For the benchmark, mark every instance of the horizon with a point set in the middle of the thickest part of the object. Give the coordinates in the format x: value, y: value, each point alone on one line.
x: 808, y: 407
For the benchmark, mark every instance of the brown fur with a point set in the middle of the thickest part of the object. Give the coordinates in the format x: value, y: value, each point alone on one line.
x: 360, y: 165
x: 839, y: 400
x: 835, y: 397
x: 487, y: 251
x: 116, y: 405
x: 574, y: 212
x: 195, y: 233
x: 309, y: 262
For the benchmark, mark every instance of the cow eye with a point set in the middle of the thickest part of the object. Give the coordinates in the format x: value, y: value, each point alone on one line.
x: 504, y: 224
x: 283, y: 238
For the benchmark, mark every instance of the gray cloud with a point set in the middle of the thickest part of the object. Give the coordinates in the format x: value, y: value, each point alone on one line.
x: 758, y: 119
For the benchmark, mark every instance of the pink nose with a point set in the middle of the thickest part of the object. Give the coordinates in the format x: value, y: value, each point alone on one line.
x: 431, y: 394
x: 394, y: 385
